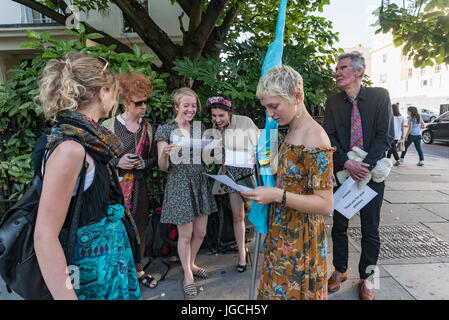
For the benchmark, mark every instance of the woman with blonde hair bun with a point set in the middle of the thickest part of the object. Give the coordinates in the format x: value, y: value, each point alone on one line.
x: 76, y: 93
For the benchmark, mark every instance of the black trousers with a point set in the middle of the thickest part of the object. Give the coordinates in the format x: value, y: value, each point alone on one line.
x: 370, y: 219
x: 393, y: 150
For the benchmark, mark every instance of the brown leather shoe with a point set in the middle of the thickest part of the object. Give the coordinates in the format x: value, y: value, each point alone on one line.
x: 366, y: 290
x: 335, y: 281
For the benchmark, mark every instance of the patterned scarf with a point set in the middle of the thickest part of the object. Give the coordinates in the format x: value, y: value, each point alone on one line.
x: 92, y: 136
x: 101, y: 144
x: 127, y: 182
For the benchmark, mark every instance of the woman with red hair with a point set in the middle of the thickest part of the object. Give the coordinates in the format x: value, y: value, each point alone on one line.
x: 139, y: 154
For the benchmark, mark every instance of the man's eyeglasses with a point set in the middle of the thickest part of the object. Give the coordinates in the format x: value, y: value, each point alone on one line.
x: 141, y: 102
x: 343, y: 68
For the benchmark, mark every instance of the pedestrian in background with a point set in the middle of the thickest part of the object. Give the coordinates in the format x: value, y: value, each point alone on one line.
x: 139, y: 154
x: 398, y: 133
x: 295, y: 265
x: 413, y: 134
x: 188, y: 199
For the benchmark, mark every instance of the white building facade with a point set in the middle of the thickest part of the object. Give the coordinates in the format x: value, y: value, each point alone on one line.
x: 15, y: 19
x: 426, y: 88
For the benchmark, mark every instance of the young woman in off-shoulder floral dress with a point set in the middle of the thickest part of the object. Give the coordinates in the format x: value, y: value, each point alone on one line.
x: 295, y: 265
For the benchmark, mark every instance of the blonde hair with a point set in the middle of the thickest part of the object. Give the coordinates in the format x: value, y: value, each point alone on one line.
x: 185, y: 91
x: 281, y: 81
x: 73, y: 83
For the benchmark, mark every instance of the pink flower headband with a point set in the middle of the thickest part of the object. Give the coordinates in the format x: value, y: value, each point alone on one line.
x: 218, y: 100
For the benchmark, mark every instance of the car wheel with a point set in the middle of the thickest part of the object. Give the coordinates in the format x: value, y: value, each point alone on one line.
x: 431, y: 119
x: 427, y: 137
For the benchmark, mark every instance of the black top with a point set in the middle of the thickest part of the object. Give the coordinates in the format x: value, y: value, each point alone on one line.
x: 377, y: 124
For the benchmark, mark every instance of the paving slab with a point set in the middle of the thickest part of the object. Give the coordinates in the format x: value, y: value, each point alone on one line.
x: 224, y: 281
x: 387, y: 289
x: 423, y: 196
x: 353, y: 266
x: 441, y: 229
x: 441, y: 210
x: 426, y: 185
x: 392, y: 213
x: 423, y: 281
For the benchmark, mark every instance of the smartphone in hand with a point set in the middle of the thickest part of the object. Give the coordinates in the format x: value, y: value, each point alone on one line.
x: 133, y: 157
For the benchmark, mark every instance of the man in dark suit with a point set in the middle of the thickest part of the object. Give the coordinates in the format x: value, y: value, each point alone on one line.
x: 358, y: 116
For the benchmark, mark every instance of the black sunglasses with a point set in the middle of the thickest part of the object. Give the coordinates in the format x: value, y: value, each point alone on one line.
x: 141, y: 102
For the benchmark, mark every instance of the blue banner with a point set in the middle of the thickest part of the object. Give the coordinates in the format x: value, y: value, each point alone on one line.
x: 259, y: 213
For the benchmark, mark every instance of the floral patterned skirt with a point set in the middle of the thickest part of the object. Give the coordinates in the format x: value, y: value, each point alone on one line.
x: 187, y: 195
x: 294, y: 265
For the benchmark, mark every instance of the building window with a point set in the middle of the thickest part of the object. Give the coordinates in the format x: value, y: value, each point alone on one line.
x: 410, y: 72
x: 384, y: 57
x: 438, y: 68
x: 424, y: 83
x: 126, y: 27
x: 37, y: 17
x: 383, y: 78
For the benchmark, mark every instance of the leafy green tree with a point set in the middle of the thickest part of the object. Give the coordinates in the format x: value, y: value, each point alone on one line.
x: 211, y: 22
x: 420, y: 26
x: 209, y: 54
x: 21, y: 120
x: 238, y: 74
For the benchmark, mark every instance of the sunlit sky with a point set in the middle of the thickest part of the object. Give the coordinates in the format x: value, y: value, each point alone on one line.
x: 352, y: 19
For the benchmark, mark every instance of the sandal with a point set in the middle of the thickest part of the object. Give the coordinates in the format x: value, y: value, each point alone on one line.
x: 190, y: 291
x: 148, y: 281
x: 241, y: 268
x: 201, y: 273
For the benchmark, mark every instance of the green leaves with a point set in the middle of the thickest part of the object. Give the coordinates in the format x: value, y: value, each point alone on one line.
x: 422, y: 28
x: 20, y: 117
x: 238, y: 74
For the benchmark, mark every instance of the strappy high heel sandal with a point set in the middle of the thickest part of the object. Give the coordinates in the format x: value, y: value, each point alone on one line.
x: 241, y: 268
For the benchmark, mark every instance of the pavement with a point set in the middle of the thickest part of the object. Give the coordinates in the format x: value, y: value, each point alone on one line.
x: 414, y: 262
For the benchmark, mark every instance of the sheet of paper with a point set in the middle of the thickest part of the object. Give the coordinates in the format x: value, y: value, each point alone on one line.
x: 239, y: 159
x: 195, y: 143
x: 349, y: 199
x: 228, y: 181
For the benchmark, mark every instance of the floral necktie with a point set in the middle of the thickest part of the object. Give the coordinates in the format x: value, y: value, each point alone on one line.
x: 356, y: 127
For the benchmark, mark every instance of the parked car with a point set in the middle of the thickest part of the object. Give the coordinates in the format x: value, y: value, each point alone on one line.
x: 438, y: 130
x: 427, y: 115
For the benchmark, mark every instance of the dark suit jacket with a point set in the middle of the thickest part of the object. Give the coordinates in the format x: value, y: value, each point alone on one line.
x: 377, y: 124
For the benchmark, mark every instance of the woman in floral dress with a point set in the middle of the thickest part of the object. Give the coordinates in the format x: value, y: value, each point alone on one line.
x: 295, y: 265
x: 188, y: 200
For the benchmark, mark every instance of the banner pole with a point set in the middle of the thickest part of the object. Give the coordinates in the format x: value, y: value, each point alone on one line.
x: 257, y: 244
